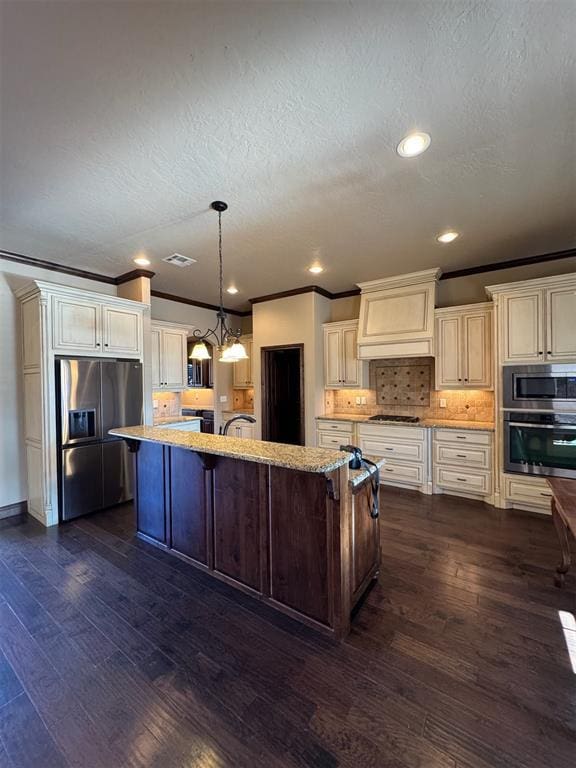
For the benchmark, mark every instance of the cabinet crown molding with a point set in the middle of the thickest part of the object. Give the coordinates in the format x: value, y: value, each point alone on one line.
x: 538, y: 282
x: 42, y: 288
x: 341, y: 324
x: 481, y: 306
x: 399, y: 281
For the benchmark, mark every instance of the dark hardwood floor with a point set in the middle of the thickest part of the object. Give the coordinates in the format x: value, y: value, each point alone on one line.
x: 113, y: 653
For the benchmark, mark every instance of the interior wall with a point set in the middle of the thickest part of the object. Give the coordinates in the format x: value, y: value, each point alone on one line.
x: 293, y: 320
x: 12, y: 452
x: 465, y: 290
x: 203, y: 319
x: 470, y: 290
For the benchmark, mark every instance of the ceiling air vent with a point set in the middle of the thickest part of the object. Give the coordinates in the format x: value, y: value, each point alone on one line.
x: 178, y: 260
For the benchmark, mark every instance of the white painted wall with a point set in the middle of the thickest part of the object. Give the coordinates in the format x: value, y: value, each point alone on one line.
x: 203, y: 319
x: 293, y: 320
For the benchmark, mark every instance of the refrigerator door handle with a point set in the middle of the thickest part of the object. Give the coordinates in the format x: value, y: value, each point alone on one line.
x: 64, y: 400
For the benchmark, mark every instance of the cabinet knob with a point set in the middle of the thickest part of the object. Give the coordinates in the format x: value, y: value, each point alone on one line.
x: 105, y: 345
x: 549, y: 352
x: 540, y: 353
x: 465, y: 379
x: 97, y: 343
x: 459, y: 379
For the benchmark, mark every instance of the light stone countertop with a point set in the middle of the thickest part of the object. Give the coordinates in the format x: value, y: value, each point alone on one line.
x: 483, y: 426
x: 358, y: 476
x: 175, y: 419
x: 276, y: 454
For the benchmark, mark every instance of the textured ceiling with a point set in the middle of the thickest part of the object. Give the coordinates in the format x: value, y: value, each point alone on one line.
x: 121, y: 121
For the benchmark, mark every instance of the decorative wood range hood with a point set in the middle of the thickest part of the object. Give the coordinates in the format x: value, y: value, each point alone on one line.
x: 397, y: 316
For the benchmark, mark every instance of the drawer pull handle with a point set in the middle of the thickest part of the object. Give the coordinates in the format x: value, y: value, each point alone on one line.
x: 548, y: 495
x: 388, y: 449
x: 461, y: 456
x: 460, y: 437
x: 462, y: 479
x: 388, y: 469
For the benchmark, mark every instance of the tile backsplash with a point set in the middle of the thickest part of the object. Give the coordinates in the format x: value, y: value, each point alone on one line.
x: 461, y: 405
x: 243, y: 400
x: 166, y: 404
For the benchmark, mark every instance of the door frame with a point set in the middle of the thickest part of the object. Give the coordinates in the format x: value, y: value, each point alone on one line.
x: 265, y: 376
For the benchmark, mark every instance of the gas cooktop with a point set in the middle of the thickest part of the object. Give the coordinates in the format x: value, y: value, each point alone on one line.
x: 404, y: 419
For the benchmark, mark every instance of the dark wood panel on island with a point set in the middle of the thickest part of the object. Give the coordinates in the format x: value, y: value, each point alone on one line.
x: 302, y: 541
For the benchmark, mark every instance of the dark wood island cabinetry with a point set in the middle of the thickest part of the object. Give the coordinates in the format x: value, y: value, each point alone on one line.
x: 287, y: 524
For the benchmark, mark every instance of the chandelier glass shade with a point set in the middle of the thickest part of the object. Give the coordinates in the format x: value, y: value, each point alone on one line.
x: 226, y: 339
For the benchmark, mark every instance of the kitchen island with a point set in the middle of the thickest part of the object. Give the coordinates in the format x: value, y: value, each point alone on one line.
x: 287, y: 524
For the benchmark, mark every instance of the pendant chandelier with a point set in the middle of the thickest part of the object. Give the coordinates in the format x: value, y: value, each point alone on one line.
x: 225, y: 338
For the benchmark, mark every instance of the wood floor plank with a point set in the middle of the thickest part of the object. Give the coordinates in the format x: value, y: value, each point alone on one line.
x: 26, y: 742
x: 456, y: 659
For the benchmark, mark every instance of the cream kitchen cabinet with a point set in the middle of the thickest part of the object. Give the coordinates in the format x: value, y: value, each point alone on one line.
x: 464, y: 347
x: 86, y: 326
x: 342, y: 368
x: 169, y: 358
x: 537, y: 319
x: 242, y: 374
x: 462, y: 463
x: 59, y: 320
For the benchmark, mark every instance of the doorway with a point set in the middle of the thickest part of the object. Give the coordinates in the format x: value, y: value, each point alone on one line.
x: 283, y: 394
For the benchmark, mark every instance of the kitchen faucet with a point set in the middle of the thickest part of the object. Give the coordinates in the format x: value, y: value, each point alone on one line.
x: 242, y: 417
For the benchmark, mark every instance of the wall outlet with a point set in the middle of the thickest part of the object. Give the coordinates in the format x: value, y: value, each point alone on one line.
x: 223, y: 398
x: 363, y: 400
x: 154, y: 403
x: 358, y: 401
x: 442, y: 402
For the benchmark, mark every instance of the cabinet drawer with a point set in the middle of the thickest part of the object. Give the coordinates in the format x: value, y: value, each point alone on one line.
x: 478, y: 456
x: 459, y: 436
x: 406, y: 451
x: 387, y: 432
x: 530, y: 491
x: 331, y: 440
x: 346, y: 427
x: 466, y: 481
x: 402, y: 473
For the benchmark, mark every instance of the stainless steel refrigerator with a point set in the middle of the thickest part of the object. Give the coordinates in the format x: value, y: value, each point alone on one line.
x: 93, y: 396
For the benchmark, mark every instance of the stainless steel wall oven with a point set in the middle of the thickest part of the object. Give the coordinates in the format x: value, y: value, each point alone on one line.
x: 540, y: 443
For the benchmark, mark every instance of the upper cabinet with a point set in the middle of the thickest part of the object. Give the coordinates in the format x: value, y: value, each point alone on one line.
x: 464, y: 347
x: 342, y: 368
x: 397, y: 316
x: 537, y: 319
x: 243, y: 376
x: 169, y: 358
x: 87, y: 326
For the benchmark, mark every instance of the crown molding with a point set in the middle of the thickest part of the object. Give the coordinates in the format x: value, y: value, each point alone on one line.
x: 293, y: 292
x: 30, y: 261
x: 201, y: 304
x: 134, y: 274
x: 523, y: 261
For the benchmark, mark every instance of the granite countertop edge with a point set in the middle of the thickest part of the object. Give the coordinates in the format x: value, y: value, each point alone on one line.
x: 163, y: 420
x: 359, y: 476
x: 303, y: 458
x: 480, y: 426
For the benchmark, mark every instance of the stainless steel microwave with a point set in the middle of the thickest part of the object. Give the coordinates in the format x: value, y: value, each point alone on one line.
x: 540, y: 387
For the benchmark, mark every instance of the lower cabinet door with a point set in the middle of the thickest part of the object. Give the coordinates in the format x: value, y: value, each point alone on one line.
x: 240, y: 520
x: 151, y: 503
x: 189, y: 504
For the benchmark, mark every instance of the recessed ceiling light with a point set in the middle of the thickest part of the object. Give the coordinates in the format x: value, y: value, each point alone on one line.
x: 413, y: 144
x: 232, y: 289
x: 448, y: 237
x: 142, y: 261
x: 315, y: 269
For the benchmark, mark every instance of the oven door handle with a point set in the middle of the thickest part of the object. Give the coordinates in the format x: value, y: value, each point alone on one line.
x: 539, y: 426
